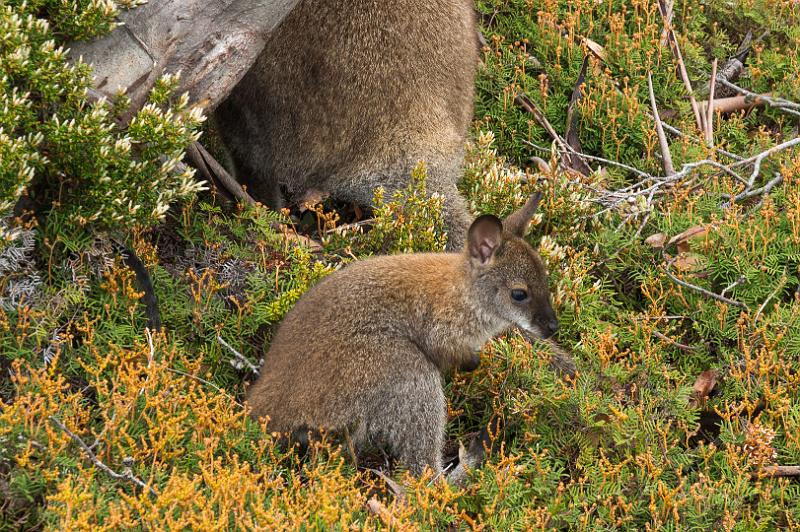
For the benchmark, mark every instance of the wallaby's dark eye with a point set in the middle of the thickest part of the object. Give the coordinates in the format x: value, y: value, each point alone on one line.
x: 519, y: 294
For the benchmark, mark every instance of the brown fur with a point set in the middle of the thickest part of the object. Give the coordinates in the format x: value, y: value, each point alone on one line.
x: 349, y: 95
x: 364, y: 350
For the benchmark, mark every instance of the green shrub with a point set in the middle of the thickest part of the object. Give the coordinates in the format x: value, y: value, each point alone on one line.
x: 88, y: 170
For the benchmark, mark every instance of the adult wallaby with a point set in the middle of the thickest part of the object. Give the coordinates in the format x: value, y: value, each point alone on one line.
x: 349, y: 95
x: 365, y: 349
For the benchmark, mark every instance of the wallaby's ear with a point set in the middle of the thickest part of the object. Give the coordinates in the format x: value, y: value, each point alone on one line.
x: 484, y: 235
x: 517, y: 222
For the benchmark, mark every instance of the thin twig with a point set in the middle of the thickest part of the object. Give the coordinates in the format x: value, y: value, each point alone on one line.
x: 662, y: 138
x: 150, y: 356
x: 710, y: 115
x: 741, y: 280
x: 398, y: 490
x: 529, y: 105
x: 240, y: 357
x: 127, y: 475
x: 345, y: 227
x: 207, y: 383
x: 761, y: 191
x: 609, y: 162
x: 676, y: 50
x: 759, y: 158
x: 678, y: 132
x: 682, y: 347
x: 667, y: 7
x: 778, y: 288
x: 733, y: 103
x: 699, y: 289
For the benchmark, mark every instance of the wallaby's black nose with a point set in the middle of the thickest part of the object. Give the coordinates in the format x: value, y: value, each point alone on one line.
x: 551, y: 327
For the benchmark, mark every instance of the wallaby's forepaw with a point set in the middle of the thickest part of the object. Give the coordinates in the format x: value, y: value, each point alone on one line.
x: 471, y: 363
x: 472, y: 458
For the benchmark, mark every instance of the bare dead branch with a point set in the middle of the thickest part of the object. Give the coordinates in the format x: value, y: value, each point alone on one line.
x: 571, y: 133
x: 666, y: 8
x: 684, y: 75
x: 779, y: 471
x: 741, y: 280
x: 696, y: 288
x: 609, y: 162
x: 772, y: 294
x: 213, y: 172
x: 239, y: 357
x: 678, y: 132
x: 529, y: 105
x: 398, y: 490
x: 734, y: 103
x: 710, y: 115
x: 682, y: 347
x: 126, y: 475
x: 662, y: 138
x: 759, y: 158
x: 786, y: 106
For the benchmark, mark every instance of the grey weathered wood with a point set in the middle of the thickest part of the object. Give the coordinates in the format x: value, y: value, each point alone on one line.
x: 211, y: 42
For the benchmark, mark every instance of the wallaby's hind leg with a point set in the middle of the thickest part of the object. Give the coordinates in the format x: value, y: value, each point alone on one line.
x: 410, y: 415
x: 242, y: 154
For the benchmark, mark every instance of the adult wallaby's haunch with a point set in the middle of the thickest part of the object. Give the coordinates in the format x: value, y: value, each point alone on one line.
x: 364, y: 350
x: 349, y: 95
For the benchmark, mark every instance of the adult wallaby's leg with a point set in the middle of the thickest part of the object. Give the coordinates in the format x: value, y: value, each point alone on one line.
x: 245, y: 150
x: 411, y: 416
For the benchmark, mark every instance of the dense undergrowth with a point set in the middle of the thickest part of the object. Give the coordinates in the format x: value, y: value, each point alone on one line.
x: 681, y: 403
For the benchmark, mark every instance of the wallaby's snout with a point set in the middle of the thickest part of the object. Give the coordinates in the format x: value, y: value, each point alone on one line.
x: 548, y: 323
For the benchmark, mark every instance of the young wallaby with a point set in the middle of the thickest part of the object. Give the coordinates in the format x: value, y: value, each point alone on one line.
x: 349, y: 95
x: 364, y: 350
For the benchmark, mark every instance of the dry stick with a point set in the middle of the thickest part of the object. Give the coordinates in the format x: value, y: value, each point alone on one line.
x: 699, y: 289
x: 667, y: 8
x: 759, y: 158
x: 662, y: 138
x: 398, y: 490
x: 778, y: 288
x: 710, y: 115
x: 779, y: 471
x: 208, y: 165
x: 529, y: 105
x: 150, y: 356
x: 676, y: 131
x: 734, y: 103
x: 240, y: 357
x: 609, y: 162
x: 741, y: 280
x: 761, y: 191
x: 682, y: 347
x: 203, y: 381
x: 354, y: 225
x: 676, y: 50
x: 127, y: 475
x: 781, y: 103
